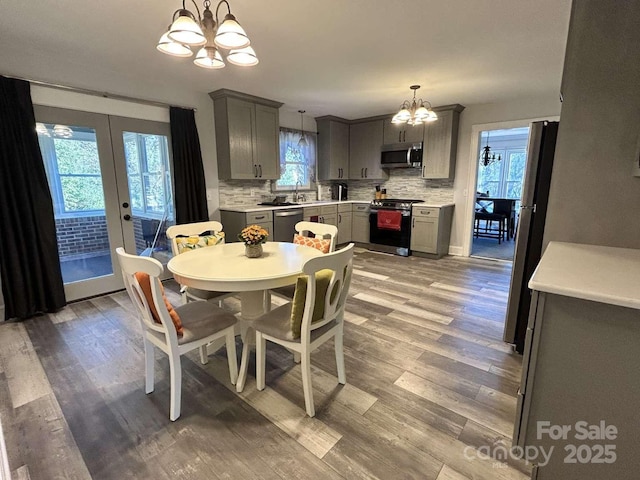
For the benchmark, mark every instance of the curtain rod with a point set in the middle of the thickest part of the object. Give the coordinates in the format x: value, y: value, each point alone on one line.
x: 96, y: 93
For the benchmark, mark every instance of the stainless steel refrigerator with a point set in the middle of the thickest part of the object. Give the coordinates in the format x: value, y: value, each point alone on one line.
x: 533, y: 210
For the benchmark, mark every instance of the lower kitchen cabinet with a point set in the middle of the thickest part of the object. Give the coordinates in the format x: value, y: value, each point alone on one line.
x: 360, y: 223
x: 431, y: 229
x: 234, y: 222
x: 345, y: 220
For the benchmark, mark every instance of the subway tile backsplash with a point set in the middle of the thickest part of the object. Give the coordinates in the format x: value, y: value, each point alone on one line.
x: 402, y: 183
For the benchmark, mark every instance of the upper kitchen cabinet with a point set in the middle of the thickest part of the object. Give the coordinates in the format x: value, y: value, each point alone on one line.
x: 247, y: 136
x: 401, y: 132
x: 333, y: 148
x: 365, y: 140
x: 441, y: 143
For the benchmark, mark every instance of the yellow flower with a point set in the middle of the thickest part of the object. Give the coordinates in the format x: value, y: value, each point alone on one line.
x: 253, y: 235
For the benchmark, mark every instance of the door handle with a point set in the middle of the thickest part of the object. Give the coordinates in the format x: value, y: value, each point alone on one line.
x: 413, y: 225
x: 362, y: 173
x: 125, y: 205
x: 260, y: 167
x: 339, y: 218
x: 255, y: 171
x: 127, y: 217
x: 365, y: 172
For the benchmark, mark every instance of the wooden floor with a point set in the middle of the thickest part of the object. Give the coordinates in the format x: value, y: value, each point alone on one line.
x: 428, y: 382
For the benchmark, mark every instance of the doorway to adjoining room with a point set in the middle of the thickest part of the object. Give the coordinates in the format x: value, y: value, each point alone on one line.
x: 502, y: 157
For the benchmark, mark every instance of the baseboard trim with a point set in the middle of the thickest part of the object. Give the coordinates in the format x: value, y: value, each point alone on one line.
x: 456, y: 251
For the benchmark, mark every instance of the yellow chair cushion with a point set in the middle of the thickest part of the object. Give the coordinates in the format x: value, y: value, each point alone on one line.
x: 323, y: 278
x: 318, y: 243
x: 193, y: 242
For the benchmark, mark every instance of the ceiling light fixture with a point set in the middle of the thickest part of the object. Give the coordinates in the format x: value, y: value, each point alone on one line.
x: 414, y: 112
x: 487, y: 157
x: 188, y: 30
x: 303, y: 141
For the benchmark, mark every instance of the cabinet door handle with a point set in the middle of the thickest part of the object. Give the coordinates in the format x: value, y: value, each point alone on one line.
x: 404, y: 136
x: 365, y: 172
x: 362, y: 173
x: 423, y: 167
x: 339, y: 218
x: 413, y: 225
x: 260, y: 167
x: 255, y: 171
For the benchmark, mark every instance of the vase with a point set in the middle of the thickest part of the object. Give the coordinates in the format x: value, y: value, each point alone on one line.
x: 253, y: 251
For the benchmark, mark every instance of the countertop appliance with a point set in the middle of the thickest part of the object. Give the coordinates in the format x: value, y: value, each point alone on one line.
x: 401, y: 155
x: 390, y: 225
x: 284, y: 222
x: 533, y: 210
x: 339, y: 191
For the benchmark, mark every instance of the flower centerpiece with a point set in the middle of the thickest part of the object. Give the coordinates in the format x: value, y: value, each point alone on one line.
x: 253, y: 237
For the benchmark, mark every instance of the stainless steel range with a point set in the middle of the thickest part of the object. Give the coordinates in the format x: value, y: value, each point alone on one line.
x: 390, y: 225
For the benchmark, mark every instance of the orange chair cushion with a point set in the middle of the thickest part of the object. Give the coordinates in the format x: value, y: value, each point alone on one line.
x: 145, y: 285
x: 318, y: 243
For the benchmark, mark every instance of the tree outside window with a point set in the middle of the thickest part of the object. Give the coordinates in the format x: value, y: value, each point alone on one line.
x: 297, y: 162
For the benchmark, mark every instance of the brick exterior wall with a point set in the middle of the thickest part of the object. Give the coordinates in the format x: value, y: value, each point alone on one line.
x: 82, y: 235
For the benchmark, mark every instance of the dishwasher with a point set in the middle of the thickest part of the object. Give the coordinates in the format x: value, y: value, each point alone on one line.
x: 284, y: 223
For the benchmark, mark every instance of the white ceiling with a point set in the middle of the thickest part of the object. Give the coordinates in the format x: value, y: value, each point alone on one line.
x: 350, y: 58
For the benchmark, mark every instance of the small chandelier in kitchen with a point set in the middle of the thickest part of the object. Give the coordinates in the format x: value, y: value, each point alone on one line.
x: 303, y: 141
x: 414, y: 112
x: 187, y: 30
x: 487, y: 157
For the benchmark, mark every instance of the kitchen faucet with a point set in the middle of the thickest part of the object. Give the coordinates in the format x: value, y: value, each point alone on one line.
x: 296, y: 197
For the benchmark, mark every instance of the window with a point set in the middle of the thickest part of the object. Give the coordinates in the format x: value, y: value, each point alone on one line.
x: 73, y: 169
x: 503, y: 179
x: 148, y: 173
x: 297, y: 163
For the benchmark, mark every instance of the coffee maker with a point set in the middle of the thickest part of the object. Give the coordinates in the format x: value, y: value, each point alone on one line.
x: 339, y: 191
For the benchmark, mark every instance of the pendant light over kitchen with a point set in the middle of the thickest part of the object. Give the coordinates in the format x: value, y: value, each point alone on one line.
x: 414, y: 112
x: 303, y: 141
x: 188, y: 30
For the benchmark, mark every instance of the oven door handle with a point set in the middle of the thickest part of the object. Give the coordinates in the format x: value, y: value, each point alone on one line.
x: 409, y: 155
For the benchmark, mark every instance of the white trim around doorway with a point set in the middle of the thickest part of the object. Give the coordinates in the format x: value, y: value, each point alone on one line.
x: 472, y: 179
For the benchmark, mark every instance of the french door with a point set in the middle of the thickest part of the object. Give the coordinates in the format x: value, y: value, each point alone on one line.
x: 110, y: 182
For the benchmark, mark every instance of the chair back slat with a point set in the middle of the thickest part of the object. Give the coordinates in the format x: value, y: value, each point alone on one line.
x: 341, y: 264
x: 319, y: 230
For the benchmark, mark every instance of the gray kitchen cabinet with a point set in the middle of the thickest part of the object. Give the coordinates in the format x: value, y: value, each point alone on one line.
x: 333, y: 148
x: 325, y: 213
x: 441, y: 143
x: 360, y: 223
x: 365, y: 140
x: 345, y: 220
x: 431, y: 229
x: 234, y: 222
x: 247, y: 136
x: 580, y: 362
x: 401, y: 132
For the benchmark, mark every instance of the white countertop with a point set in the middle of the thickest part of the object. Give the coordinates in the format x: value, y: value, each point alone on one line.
x: 590, y: 272
x: 430, y: 204
x: 261, y: 208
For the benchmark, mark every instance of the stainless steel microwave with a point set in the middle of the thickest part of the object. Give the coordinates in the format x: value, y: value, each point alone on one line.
x: 401, y: 155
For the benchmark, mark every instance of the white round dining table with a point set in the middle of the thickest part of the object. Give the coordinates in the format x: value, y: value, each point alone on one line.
x: 225, y: 268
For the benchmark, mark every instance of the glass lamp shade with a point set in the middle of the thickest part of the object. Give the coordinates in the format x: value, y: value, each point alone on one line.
x: 403, y: 115
x: 209, y: 57
x: 303, y: 141
x: 62, y: 131
x: 230, y: 34
x: 244, y: 57
x: 432, y: 116
x: 185, y: 30
x: 421, y: 112
x: 168, y: 46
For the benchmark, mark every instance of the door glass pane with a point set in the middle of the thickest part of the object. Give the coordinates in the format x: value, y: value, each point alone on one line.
x: 70, y: 155
x: 149, y: 178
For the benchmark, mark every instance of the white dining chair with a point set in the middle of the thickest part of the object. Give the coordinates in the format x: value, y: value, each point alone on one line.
x: 183, y: 238
x: 315, y: 316
x: 199, y: 322
x: 321, y: 232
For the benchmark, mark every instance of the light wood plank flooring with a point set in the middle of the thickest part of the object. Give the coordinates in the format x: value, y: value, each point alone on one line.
x: 429, y: 381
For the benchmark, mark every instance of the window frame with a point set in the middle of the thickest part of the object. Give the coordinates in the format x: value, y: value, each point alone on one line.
x: 311, y: 164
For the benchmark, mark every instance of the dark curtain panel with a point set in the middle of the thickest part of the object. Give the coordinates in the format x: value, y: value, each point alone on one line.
x: 188, y: 174
x: 29, y: 264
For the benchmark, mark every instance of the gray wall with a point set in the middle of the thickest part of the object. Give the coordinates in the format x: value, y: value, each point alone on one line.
x: 594, y: 199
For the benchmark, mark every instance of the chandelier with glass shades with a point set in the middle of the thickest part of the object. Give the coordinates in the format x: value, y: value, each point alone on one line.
x: 188, y: 30
x: 414, y: 112
x: 487, y: 157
